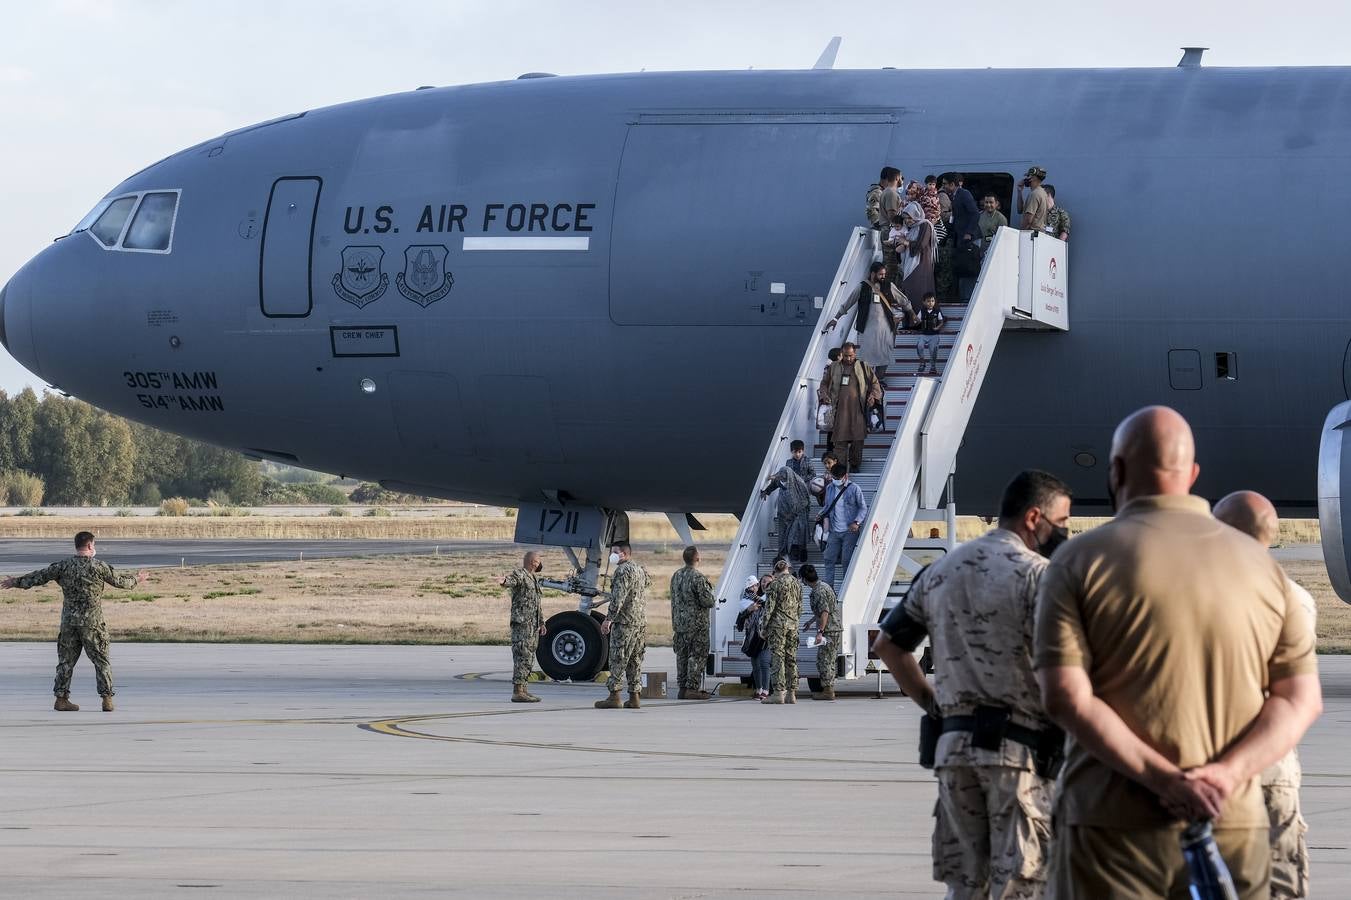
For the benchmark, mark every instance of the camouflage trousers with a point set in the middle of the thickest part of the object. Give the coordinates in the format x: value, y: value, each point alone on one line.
x: 524, y: 641
x: 1289, y: 851
x: 827, y: 656
x: 92, y: 638
x: 627, y: 645
x: 781, y: 641
x: 992, y: 832
x: 691, y: 653
x: 945, y: 283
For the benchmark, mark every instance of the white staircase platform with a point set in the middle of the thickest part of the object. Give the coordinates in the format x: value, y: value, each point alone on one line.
x: 908, y: 465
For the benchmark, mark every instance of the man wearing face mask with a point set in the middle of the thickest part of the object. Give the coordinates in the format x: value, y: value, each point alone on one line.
x: 626, y: 624
x: 994, y: 750
x: 527, y: 624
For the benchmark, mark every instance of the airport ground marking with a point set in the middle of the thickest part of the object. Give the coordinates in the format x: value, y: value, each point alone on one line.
x: 396, y: 728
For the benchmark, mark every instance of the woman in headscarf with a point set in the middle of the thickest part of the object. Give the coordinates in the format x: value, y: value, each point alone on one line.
x: 917, y: 263
x: 791, y: 516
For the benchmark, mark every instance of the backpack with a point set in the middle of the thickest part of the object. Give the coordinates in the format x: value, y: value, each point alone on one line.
x: 874, y: 206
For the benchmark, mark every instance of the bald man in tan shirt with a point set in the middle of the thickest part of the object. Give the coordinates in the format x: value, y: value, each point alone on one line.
x: 1255, y: 516
x: 1171, y: 649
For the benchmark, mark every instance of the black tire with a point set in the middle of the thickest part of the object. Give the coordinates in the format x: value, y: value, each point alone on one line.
x: 748, y: 680
x: 573, y: 647
x: 814, y: 685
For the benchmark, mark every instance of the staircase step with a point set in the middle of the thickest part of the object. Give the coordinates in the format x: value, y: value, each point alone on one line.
x: 902, y: 377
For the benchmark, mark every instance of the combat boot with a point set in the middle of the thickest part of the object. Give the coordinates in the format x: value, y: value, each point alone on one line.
x: 610, y: 702
x: 775, y: 698
x: 694, y: 694
x: 520, y: 695
x: 107, y: 704
x: 63, y: 704
x: 632, y: 702
x: 790, y: 695
x: 826, y: 693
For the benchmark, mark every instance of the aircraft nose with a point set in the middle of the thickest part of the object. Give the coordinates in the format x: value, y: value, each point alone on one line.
x: 16, y: 331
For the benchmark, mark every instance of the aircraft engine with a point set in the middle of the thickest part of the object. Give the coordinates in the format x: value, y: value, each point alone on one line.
x: 1334, y: 497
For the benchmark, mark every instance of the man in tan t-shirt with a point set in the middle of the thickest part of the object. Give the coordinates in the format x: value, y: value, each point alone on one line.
x: 1037, y: 205
x: 1172, y: 650
x: 1253, y: 514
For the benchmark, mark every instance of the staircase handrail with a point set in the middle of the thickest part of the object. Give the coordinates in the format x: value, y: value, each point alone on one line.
x: 796, y: 422
x: 914, y: 459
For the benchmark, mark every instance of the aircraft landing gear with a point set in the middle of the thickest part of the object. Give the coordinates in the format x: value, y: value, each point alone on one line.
x: 573, y: 649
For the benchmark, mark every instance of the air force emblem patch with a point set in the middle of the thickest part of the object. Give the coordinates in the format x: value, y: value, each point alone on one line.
x: 424, y: 278
x: 360, y: 281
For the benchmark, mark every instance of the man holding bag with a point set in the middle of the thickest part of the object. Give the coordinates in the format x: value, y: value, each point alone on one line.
x: 875, y: 305
x: 846, y: 508
x: 850, y: 389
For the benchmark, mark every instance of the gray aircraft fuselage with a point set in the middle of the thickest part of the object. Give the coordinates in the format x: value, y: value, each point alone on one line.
x: 638, y: 355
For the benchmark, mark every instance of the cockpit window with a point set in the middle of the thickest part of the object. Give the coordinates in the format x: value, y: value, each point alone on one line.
x: 108, y: 228
x: 154, y: 223
x: 151, y: 228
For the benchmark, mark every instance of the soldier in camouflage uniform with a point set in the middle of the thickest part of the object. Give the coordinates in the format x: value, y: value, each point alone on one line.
x: 691, y: 599
x: 82, y: 579
x: 1255, y: 516
x: 527, y: 624
x: 783, y: 608
x: 826, y: 614
x: 992, y: 828
x: 626, y: 624
x: 1058, y: 219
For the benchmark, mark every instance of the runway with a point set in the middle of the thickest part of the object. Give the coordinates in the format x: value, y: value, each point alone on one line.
x: 325, y: 771
x: 19, y: 555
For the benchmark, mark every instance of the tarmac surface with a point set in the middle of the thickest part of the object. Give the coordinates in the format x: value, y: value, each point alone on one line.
x: 19, y: 555
x: 309, y: 771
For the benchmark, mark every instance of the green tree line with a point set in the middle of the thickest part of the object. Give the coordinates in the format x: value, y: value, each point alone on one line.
x: 63, y: 452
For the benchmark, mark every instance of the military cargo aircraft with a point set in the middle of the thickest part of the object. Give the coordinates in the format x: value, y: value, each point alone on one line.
x: 593, y: 291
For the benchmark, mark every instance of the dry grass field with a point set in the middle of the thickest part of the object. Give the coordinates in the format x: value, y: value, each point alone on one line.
x: 642, y: 527
x: 450, y: 599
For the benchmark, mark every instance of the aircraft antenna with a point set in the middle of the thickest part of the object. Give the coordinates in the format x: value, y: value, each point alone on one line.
x: 827, y: 58
x: 1191, y: 57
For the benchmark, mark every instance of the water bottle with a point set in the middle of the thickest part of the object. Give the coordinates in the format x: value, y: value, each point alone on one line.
x: 1209, y: 876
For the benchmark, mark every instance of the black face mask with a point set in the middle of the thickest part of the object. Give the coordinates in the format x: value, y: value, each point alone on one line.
x: 1059, y: 535
x: 539, y: 567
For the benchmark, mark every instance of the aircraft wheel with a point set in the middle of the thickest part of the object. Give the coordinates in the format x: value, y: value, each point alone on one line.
x: 814, y: 685
x: 748, y: 680
x: 573, y: 647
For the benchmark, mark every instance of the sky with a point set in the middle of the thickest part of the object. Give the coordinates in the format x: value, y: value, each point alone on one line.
x: 94, y: 90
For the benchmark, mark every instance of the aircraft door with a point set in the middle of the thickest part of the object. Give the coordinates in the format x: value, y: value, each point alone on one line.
x: 737, y: 219
x: 286, y: 261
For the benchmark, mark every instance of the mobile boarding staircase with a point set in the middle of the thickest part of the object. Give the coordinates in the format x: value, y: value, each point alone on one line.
x: 908, y: 467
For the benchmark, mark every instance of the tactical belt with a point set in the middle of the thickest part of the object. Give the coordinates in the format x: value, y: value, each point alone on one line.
x: 989, y: 727
x: 1028, y: 737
